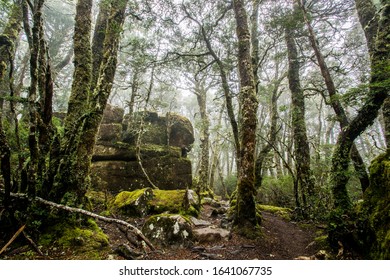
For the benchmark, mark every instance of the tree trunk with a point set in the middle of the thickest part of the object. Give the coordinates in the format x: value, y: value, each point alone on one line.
x: 263, y: 154
x: 301, y: 142
x: 369, y: 18
x: 201, y: 95
x: 73, y: 176
x: 98, y: 40
x: 379, y: 87
x: 335, y: 102
x: 246, y: 220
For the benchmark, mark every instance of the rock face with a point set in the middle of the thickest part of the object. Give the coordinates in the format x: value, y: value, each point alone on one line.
x: 171, y: 130
x: 163, y: 145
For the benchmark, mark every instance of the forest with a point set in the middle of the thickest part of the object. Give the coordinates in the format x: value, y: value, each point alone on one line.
x: 189, y: 129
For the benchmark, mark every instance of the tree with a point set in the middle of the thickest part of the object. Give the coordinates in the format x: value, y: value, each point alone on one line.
x: 246, y: 219
x: 87, y: 103
x: 334, y: 100
x: 379, y: 88
x: 301, y: 143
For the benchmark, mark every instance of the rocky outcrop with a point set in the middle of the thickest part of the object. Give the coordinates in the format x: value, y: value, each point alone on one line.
x: 172, y: 129
x: 163, y: 144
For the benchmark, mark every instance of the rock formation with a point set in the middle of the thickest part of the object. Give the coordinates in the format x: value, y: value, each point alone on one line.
x: 160, y: 142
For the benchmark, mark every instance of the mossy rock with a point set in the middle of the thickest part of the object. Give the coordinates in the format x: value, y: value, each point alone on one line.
x: 86, y: 241
x: 376, y: 208
x: 134, y: 203
x: 166, y: 229
x: 149, y: 202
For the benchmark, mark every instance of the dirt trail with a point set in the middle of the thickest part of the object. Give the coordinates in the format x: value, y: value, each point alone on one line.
x: 282, y: 240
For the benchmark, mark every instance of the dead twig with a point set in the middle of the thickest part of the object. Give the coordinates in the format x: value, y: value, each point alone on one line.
x: 12, y: 239
x: 33, y: 244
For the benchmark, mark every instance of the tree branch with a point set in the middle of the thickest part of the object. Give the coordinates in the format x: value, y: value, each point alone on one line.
x: 132, y: 228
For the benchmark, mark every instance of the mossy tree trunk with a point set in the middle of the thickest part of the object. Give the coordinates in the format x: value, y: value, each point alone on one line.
x: 73, y: 175
x: 369, y: 19
x: 301, y: 142
x: 342, y: 118
x: 7, y: 50
x: 379, y: 88
x: 204, y: 170
x: 67, y: 174
x: 272, y: 135
x: 245, y: 220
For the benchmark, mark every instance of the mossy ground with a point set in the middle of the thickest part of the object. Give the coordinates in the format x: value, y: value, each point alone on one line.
x: 86, y: 241
x: 284, y: 213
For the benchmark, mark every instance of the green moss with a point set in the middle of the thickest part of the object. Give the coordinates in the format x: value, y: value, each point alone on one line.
x: 86, y: 241
x: 148, y: 201
x: 167, y: 200
x: 285, y: 213
x: 377, y: 208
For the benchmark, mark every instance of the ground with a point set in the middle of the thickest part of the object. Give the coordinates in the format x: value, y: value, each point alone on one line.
x: 282, y: 240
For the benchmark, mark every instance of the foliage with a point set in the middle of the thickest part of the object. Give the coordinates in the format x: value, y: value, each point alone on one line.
x: 230, y: 182
x: 277, y: 191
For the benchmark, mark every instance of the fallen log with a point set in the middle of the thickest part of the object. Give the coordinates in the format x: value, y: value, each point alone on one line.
x: 130, y: 227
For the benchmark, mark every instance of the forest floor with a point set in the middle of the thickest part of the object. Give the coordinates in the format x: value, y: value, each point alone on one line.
x: 282, y: 240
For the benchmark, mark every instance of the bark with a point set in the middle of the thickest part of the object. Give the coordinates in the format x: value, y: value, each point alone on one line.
x: 9, y: 37
x: 255, y: 41
x: 204, y: 171
x: 263, y: 154
x: 246, y: 219
x: 82, y: 75
x: 369, y: 19
x: 215, y: 162
x: 32, y: 169
x: 301, y: 142
x: 379, y: 87
x: 335, y: 102
x: 65, y: 176
x: 102, y: 91
x: 98, y: 40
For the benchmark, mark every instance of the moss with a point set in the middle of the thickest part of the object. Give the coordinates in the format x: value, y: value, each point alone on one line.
x: 171, y: 201
x: 147, y: 201
x: 285, y: 213
x: 86, y: 241
x: 376, y: 207
x: 134, y: 202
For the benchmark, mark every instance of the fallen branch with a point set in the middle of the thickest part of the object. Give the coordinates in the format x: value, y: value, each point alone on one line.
x: 33, y: 244
x: 12, y: 239
x: 132, y: 228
